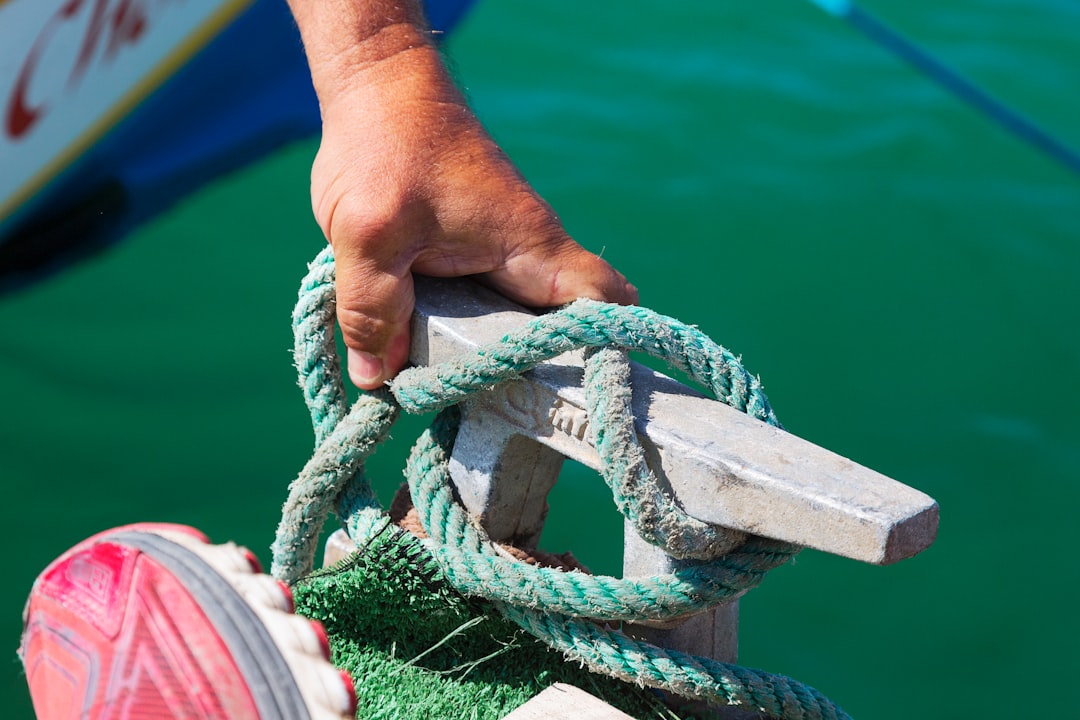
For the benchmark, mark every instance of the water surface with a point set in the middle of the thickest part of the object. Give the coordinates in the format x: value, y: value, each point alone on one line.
x: 901, y: 274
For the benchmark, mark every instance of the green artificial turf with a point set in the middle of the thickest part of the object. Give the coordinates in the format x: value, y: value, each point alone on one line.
x: 418, y: 649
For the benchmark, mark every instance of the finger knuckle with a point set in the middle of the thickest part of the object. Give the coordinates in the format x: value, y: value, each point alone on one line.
x: 363, y: 222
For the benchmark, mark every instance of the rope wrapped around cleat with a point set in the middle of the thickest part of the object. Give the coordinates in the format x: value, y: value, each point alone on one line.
x: 571, y: 611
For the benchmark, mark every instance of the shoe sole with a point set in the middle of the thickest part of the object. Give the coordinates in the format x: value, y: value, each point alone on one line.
x: 280, y: 660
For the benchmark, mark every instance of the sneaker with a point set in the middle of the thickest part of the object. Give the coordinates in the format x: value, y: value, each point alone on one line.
x: 151, y: 621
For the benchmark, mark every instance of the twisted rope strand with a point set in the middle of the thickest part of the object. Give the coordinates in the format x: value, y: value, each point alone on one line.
x: 336, y: 461
x: 565, y: 609
x: 586, y: 323
x: 686, y: 675
x: 469, y: 559
x: 637, y: 492
x: 315, y: 349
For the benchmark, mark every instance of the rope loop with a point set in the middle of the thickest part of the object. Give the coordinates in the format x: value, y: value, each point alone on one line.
x: 571, y: 611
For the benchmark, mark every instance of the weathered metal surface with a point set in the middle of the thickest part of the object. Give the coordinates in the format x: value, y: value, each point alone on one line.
x: 724, y: 467
x: 566, y: 702
x: 713, y: 633
x: 338, y: 547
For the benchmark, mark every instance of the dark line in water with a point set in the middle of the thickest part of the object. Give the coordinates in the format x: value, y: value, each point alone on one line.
x: 955, y: 83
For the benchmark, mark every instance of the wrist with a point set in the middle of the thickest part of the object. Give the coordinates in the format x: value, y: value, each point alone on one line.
x: 351, y: 43
x: 398, y: 91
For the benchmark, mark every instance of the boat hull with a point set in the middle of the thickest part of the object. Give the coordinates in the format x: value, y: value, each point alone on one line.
x: 113, y: 109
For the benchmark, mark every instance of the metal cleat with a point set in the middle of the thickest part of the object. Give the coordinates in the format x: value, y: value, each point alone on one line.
x: 724, y: 467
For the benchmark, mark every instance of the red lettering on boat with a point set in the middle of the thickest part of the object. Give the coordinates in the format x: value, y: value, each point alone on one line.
x: 90, y: 42
x: 116, y: 24
x: 20, y: 116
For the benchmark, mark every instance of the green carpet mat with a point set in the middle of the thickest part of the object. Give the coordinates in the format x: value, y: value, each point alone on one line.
x: 416, y: 648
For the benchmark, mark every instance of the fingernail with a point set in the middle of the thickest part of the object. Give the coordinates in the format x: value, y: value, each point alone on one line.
x: 365, y: 369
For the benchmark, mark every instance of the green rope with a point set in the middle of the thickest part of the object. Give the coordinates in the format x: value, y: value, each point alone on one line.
x: 570, y: 611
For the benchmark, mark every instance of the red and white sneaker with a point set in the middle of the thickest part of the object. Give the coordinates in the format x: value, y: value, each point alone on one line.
x: 151, y: 621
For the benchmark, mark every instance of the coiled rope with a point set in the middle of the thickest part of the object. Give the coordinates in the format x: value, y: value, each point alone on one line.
x: 571, y: 611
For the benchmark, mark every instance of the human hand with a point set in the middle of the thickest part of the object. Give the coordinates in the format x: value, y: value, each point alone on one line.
x: 406, y: 180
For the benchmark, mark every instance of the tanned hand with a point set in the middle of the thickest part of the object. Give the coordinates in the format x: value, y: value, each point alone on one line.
x: 406, y: 180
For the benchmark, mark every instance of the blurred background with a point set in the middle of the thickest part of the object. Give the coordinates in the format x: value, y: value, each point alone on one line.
x: 900, y: 272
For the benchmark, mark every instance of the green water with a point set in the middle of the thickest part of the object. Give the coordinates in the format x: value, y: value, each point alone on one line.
x: 902, y: 274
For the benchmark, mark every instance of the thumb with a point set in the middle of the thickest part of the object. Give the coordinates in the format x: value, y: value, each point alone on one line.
x: 373, y: 310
